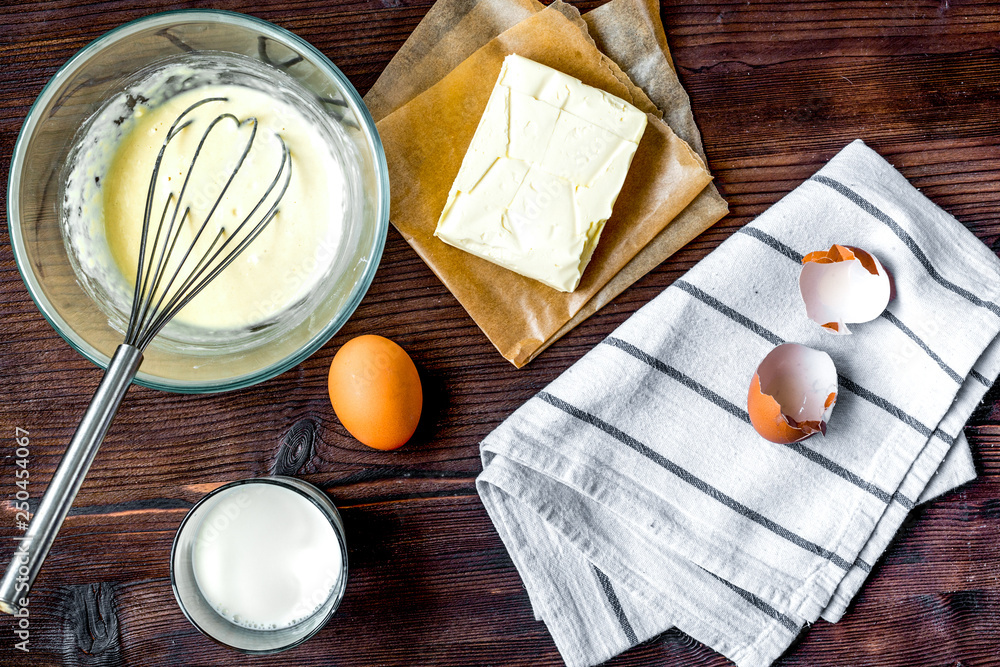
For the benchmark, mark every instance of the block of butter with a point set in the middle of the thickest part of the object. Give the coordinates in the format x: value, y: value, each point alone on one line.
x: 542, y: 173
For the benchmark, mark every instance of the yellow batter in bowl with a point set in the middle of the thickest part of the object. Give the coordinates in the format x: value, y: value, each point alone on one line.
x: 280, y: 267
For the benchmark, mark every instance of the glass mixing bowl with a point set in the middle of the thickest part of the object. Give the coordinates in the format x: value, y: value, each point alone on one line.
x: 102, y: 70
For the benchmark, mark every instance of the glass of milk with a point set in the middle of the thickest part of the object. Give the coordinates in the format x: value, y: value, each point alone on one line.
x: 260, y: 565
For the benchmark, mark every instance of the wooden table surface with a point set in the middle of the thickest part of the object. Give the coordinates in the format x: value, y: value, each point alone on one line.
x: 777, y: 89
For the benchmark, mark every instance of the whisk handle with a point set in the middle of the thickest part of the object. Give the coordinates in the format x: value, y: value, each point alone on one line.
x: 41, y: 533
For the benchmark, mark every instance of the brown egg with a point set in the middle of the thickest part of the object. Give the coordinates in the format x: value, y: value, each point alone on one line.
x: 792, y: 394
x: 375, y: 391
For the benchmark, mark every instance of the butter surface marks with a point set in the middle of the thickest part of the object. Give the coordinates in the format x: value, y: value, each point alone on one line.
x: 542, y: 174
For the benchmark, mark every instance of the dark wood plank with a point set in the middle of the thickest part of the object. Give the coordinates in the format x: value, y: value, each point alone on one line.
x: 777, y: 89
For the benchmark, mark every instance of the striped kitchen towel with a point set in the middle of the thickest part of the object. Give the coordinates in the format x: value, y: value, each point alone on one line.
x: 632, y: 493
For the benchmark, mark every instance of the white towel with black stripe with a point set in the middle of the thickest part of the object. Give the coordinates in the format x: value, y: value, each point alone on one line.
x: 632, y: 493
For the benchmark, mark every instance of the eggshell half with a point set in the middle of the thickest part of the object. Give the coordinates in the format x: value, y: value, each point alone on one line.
x: 843, y: 285
x: 792, y: 394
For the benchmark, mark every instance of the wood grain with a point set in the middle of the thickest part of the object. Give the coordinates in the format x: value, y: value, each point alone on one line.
x: 777, y: 88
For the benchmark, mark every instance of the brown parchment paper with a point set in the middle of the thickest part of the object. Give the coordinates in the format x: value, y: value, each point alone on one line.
x: 450, y: 32
x: 632, y: 35
x: 426, y: 140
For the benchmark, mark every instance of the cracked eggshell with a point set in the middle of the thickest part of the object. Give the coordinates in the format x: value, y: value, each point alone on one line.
x: 792, y: 394
x: 843, y: 285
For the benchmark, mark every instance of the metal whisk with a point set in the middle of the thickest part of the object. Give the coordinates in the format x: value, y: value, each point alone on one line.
x: 167, y: 278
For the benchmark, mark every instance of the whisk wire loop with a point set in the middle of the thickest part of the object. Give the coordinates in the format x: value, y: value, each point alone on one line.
x: 186, y: 292
x: 157, y: 300
x: 174, y: 229
x: 178, y: 125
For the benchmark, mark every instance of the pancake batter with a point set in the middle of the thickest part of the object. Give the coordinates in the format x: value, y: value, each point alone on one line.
x: 281, y: 266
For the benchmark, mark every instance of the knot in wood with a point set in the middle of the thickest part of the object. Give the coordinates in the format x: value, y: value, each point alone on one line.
x: 296, y: 449
x: 91, y: 622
